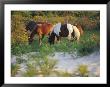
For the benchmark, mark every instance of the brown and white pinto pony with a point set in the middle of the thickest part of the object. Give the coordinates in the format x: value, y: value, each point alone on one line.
x: 39, y: 28
x: 79, y: 28
x: 64, y: 30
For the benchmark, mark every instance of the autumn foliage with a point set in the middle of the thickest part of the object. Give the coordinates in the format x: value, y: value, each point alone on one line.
x: 18, y: 32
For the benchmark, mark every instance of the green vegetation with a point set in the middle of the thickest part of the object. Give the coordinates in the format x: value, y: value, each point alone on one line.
x: 46, y: 66
x: 14, y: 69
x: 88, y: 43
x: 31, y: 71
x: 43, y: 67
x: 83, y: 70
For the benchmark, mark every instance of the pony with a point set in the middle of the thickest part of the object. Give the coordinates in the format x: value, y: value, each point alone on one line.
x: 39, y: 28
x: 63, y: 30
x: 76, y: 34
x: 79, y: 28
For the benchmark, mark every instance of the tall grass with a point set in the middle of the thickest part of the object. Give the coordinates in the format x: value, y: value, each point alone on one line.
x: 41, y: 67
x: 31, y: 71
x: 14, y: 69
x: 89, y: 42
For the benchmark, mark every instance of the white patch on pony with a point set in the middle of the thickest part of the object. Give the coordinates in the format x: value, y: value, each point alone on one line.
x: 56, y: 28
x: 39, y: 25
x: 70, y: 29
x: 77, y: 33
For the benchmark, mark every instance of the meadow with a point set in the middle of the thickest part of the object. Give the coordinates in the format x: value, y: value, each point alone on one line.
x: 89, y: 42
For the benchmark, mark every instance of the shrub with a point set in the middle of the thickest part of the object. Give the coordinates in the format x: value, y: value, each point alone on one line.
x: 18, y: 32
x: 19, y: 36
x: 88, y: 23
x: 81, y: 71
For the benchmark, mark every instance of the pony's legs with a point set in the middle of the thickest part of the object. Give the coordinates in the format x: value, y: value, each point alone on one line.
x: 40, y: 38
x: 58, y: 39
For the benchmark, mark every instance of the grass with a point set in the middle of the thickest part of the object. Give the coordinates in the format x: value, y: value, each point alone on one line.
x: 89, y: 42
x: 14, y: 69
x: 43, y: 67
x: 81, y: 71
x: 47, y: 66
x: 31, y: 71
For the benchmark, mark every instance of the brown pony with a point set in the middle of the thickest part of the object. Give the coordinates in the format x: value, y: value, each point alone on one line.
x: 41, y: 29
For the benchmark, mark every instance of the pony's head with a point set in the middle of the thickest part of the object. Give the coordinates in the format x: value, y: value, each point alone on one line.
x: 51, y: 38
x: 30, y: 25
x: 30, y: 36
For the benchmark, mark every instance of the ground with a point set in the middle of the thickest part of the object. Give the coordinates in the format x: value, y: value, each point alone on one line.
x: 65, y: 62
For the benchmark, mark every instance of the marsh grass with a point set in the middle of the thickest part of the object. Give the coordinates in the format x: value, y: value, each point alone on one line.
x: 89, y: 42
x: 14, y: 69
x: 42, y: 66
x: 83, y: 70
x: 46, y: 66
x: 31, y: 71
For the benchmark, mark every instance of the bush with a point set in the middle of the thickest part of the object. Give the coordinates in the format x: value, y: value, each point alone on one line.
x: 18, y: 32
x: 19, y: 36
x: 88, y: 23
x: 81, y: 71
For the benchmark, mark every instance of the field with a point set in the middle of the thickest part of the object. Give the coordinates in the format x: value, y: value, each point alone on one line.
x: 34, y: 60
